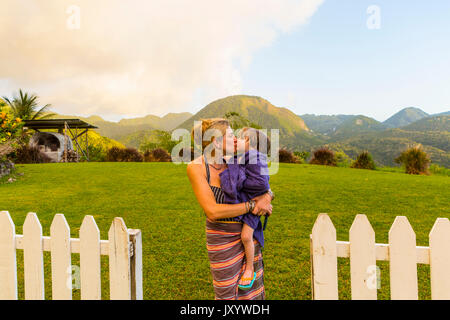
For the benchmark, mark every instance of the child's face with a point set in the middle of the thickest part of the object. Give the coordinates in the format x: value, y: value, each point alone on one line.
x: 243, y: 144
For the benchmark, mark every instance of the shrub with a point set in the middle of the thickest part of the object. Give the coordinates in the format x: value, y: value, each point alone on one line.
x: 96, y: 154
x: 342, y: 159
x: 116, y: 154
x: 157, y: 155
x: 364, y: 161
x: 286, y: 156
x: 131, y: 155
x: 324, y: 156
x: 436, y: 169
x: 10, y: 129
x: 302, y: 155
x: 28, y: 154
x: 182, y: 153
x: 414, y: 160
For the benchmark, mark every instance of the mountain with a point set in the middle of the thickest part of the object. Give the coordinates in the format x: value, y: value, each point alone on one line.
x: 293, y: 130
x: 137, y: 138
x: 324, y: 124
x: 405, y: 117
x: 445, y: 113
x: 118, y: 130
x: 355, y: 126
x: 253, y: 108
x: 432, y: 132
x: 436, y: 123
x: 385, y: 149
x: 166, y: 123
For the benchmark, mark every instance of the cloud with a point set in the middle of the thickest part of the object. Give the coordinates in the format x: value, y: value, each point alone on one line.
x: 135, y: 57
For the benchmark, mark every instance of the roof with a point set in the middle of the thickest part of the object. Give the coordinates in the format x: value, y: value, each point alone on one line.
x: 57, y: 124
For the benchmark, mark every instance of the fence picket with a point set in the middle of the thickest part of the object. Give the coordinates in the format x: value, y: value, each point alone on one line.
x: 119, y: 261
x: 60, y: 259
x: 440, y: 259
x: 403, y: 260
x: 362, y: 259
x: 136, y: 264
x: 33, y: 258
x: 8, y: 266
x: 325, y: 280
x: 90, y: 275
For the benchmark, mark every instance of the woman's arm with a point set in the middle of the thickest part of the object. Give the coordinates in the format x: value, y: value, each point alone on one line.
x: 215, y: 210
x: 206, y: 198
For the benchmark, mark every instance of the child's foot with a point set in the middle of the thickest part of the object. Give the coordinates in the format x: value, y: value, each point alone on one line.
x: 248, y: 275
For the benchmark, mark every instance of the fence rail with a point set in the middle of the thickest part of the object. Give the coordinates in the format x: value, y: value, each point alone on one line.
x: 401, y: 252
x: 123, y: 247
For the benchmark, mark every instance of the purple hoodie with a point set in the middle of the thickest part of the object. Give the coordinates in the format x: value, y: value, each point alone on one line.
x: 246, y: 177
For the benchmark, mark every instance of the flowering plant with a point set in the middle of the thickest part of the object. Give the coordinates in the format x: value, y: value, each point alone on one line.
x: 10, y: 129
x: 11, y: 133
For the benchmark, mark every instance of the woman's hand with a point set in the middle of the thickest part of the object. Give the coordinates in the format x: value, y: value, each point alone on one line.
x: 262, y: 205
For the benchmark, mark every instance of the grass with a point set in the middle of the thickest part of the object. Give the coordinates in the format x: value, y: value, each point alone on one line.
x: 157, y: 198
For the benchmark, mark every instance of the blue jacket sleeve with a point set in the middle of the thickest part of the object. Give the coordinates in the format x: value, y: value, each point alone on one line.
x: 256, y: 172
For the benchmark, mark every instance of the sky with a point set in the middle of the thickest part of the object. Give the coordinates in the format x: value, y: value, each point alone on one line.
x: 124, y: 59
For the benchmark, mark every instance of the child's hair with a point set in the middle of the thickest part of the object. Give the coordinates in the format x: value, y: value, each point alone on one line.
x: 257, y: 138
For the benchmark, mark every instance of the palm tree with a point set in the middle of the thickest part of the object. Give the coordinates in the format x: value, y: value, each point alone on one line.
x: 26, y: 107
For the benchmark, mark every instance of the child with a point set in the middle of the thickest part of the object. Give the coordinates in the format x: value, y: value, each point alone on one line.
x: 245, y: 178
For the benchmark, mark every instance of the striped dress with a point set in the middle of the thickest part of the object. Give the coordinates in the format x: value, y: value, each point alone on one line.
x: 227, y: 256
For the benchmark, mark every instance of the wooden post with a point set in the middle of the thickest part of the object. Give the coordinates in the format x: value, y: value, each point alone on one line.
x: 8, y: 266
x: 136, y: 264
x: 76, y: 141
x: 65, y: 141
x: 362, y: 259
x: 325, y: 277
x: 60, y: 258
x: 440, y: 259
x: 87, y: 145
x: 119, y: 261
x: 33, y: 258
x: 90, y: 270
x: 403, y: 260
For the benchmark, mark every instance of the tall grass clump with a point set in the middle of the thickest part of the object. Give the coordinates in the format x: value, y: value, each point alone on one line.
x: 364, y: 161
x: 324, y: 156
x: 414, y: 160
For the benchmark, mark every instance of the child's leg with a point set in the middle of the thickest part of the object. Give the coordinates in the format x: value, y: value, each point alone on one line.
x: 247, y: 240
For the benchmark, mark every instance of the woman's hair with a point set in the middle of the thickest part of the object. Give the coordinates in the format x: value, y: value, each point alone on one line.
x: 206, y: 124
x: 257, y: 139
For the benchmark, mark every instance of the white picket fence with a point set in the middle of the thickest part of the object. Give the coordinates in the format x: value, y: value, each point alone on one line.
x: 401, y: 252
x: 123, y: 247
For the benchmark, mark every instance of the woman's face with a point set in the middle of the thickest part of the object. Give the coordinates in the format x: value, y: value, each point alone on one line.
x: 228, y: 142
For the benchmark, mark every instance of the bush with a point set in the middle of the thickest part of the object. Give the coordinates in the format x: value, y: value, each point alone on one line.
x: 302, y: 155
x: 96, y: 154
x: 342, y: 159
x: 436, y: 169
x: 182, y: 153
x: 324, y: 156
x: 414, y: 160
x: 364, y: 161
x: 157, y: 155
x: 286, y: 156
x: 10, y: 128
x: 116, y: 154
x: 27, y: 154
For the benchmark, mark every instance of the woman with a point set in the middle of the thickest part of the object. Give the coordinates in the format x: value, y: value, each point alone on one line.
x: 223, y: 234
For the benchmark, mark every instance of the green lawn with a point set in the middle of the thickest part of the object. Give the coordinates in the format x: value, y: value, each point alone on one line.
x: 157, y: 198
